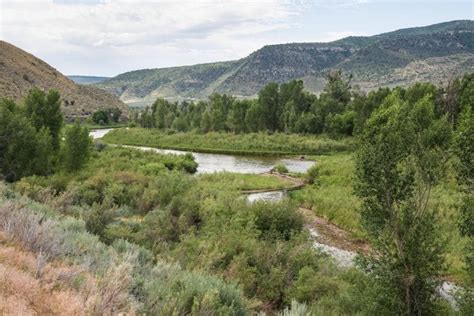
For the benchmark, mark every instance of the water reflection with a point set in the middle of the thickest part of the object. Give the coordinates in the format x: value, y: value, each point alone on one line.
x: 99, y: 133
x: 274, y: 196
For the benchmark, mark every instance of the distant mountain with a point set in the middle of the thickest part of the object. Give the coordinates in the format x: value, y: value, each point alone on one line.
x: 21, y: 71
x: 87, y: 79
x: 432, y: 53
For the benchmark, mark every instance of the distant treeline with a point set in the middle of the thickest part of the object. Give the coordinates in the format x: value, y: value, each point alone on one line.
x: 339, y: 110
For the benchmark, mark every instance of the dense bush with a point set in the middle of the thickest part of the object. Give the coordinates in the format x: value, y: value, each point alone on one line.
x: 280, y: 168
x: 106, y: 116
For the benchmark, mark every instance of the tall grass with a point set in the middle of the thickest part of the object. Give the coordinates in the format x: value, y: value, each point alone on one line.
x: 228, y: 143
x: 331, y: 195
x: 243, y: 182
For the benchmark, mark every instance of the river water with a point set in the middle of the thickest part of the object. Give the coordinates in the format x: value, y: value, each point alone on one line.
x: 210, y: 163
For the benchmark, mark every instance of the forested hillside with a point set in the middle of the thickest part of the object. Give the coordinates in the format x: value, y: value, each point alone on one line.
x: 434, y: 53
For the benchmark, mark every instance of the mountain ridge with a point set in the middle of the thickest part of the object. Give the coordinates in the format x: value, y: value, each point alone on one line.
x: 371, y: 60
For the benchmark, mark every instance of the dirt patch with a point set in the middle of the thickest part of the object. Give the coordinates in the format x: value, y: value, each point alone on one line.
x: 332, y: 235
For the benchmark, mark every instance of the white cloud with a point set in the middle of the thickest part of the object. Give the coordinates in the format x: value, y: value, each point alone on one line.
x: 149, y: 31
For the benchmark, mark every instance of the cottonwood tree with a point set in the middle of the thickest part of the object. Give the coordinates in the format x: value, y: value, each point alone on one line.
x: 77, y: 147
x: 464, y: 148
x: 400, y: 158
x: 23, y: 150
x: 44, y: 111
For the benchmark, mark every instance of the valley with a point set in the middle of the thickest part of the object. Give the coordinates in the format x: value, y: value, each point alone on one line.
x: 307, y: 178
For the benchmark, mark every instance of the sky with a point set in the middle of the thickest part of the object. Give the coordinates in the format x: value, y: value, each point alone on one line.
x: 109, y: 37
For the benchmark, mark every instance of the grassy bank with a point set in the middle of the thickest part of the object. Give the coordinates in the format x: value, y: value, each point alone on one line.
x: 243, y: 182
x: 228, y: 143
x: 332, y: 197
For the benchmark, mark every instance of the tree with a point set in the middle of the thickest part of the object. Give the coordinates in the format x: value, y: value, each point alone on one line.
x: 219, y: 106
x: 77, y: 147
x: 100, y: 117
x: 464, y: 149
x: 365, y: 105
x: 23, y: 150
x: 206, y: 123
x: 400, y: 158
x: 270, y: 109
x: 114, y: 114
x: 337, y: 88
x: 44, y: 111
x: 236, y: 118
x: 254, y: 118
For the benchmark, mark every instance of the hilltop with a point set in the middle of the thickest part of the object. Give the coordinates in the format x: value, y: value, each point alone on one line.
x: 21, y: 71
x: 432, y: 53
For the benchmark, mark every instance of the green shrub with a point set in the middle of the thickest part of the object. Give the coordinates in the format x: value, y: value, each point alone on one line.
x: 280, y: 168
x: 194, y: 294
x: 277, y: 221
x: 312, y: 173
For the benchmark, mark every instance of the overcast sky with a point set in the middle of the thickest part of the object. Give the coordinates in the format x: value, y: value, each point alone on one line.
x: 108, y: 37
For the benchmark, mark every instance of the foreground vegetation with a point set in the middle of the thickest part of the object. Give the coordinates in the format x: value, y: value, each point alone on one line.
x: 156, y: 239
x: 228, y: 143
x: 235, y: 257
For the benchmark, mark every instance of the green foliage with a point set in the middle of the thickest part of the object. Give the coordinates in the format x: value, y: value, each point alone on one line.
x: 100, y: 117
x: 280, y: 168
x: 279, y: 221
x: 130, y: 279
x: 24, y: 150
x: 395, y: 175
x: 184, y: 293
x: 243, y: 181
x: 464, y: 149
x: 279, y: 108
x: 312, y: 173
x: 227, y: 143
x: 44, y: 111
x: 331, y: 195
x: 77, y: 147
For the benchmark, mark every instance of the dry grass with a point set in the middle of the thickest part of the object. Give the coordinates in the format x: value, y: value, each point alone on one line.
x: 34, y: 280
x: 25, y: 292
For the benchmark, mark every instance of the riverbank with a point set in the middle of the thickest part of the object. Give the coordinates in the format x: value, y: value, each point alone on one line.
x: 246, y: 183
x: 106, y: 126
x: 252, y: 144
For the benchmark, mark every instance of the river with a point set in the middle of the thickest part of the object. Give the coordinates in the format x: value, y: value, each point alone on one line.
x: 210, y: 163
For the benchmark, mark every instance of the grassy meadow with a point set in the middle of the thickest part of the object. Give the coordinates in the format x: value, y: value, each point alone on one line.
x: 229, y: 143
